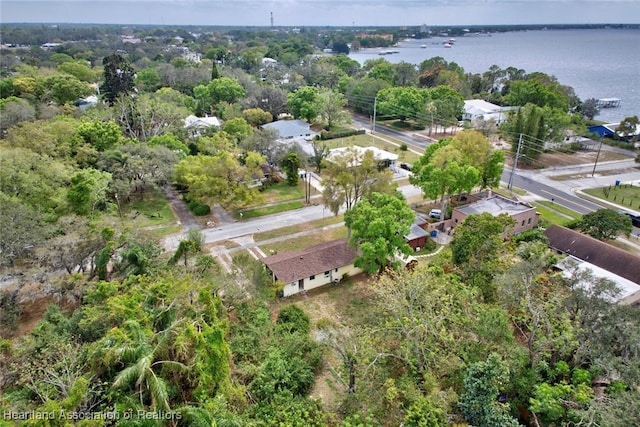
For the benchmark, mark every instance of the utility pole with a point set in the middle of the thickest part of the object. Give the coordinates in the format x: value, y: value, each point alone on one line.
x: 375, y: 105
x: 597, y: 157
x: 515, y: 162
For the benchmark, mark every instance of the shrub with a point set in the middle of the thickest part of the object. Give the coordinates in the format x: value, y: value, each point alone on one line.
x: 199, y: 209
x: 294, y: 319
x: 404, y: 147
x: 339, y: 134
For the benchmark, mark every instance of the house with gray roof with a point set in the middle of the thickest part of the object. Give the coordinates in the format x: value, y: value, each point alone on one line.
x: 524, y: 215
x: 291, y: 129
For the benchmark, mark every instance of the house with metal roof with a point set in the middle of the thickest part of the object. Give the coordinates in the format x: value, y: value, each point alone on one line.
x: 609, y: 130
x: 291, y: 129
x: 312, y: 267
x: 478, y: 109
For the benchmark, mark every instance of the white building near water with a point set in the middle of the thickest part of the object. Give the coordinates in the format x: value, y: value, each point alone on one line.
x: 478, y: 109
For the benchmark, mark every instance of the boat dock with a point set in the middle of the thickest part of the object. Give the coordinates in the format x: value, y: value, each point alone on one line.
x: 608, y: 102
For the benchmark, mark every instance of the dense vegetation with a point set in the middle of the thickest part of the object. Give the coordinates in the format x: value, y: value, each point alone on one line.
x: 486, y: 334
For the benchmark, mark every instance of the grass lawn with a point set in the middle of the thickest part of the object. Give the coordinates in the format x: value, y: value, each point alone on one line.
x: 623, y: 195
x: 306, y: 241
x: 561, y: 209
x: 292, y: 229
x: 366, y: 140
x: 552, y: 216
x: 282, y: 192
x: 152, y: 210
x: 165, y: 231
x: 269, y: 210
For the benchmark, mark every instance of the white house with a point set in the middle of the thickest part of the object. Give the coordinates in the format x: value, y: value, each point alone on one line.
x: 478, y: 109
x: 195, y: 125
x: 381, y: 156
x: 312, y: 267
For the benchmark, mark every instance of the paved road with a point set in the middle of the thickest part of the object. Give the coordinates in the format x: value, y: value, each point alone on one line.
x: 272, y: 222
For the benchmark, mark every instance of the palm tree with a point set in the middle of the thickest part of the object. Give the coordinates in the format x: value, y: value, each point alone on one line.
x: 140, y: 358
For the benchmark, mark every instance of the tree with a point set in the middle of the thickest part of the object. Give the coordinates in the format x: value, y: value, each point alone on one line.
x: 65, y: 89
x: 100, y: 135
x: 223, y: 89
x: 477, y: 247
x: 88, y: 191
x: 331, y: 108
x: 23, y: 229
x: 527, y: 133
x: 628, y: 128
x: 540, y: 90
x: 219, y: 178
x: 589, y: 108
x: 13, y: 111
x: 352, y: 175
x: 605, y: 224
x: 378, y: 225
x: 320, y: 152
x: 362, y: 93
x: 291, y: 165
x: 119, y: 76
x: 238, y: 128
x: 257, y: 116
x: 401, y: 102
x: 441, y: 171
x: 483, y: 384
x: 304, y: 103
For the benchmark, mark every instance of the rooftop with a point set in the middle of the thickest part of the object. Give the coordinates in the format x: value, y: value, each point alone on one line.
x: 293, y: 266
x: 600, y: 254
x: 495, y: 205
x: 290, y: 128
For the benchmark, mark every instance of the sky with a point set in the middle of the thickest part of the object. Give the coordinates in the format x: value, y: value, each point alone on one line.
x: 321, y: 12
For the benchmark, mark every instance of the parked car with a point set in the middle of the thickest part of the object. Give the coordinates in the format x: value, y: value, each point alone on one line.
x: 405, y: 166
x: 435, y: 213
x: 635, y: 219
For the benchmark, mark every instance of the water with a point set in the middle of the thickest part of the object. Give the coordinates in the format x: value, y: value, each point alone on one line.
x: 598, y: 63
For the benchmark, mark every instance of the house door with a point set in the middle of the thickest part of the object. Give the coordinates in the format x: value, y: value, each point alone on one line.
x: 301, y: 285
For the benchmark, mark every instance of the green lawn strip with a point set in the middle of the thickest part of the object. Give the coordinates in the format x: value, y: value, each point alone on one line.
x: 165, y: 231
x: 509, y: 193
x: 152, y: 210
x: 301, y: 242
x: 551, y: 215
x: 623, y: 195
x: 560, y: 209
x: 292, y: 229
x: 282, y: 192
x: 269, y: 210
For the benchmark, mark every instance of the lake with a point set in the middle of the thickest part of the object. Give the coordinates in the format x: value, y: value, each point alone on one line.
x: 597, y: 63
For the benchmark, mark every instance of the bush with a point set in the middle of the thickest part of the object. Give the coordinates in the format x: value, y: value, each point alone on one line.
x: 199, y: 209
x: 339, y: 134
x: 404, y: 147
x: 294, y: 319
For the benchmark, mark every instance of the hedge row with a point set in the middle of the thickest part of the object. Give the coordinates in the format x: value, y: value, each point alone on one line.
x: 339, y: 134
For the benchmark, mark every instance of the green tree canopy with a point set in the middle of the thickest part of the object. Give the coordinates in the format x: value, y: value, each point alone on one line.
x: 605, y: 224
x: 304, y: 103
x: 378, y: 225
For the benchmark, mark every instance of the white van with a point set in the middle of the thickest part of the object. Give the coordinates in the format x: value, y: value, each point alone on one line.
x: 435, y: 213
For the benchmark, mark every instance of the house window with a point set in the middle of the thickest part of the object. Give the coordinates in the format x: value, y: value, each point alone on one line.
x: 523, y: 222
x: 312, y: 277
x: 529, y: 222
x: 456, y: 220
x: 336, y: 270
x: 327, y: 273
